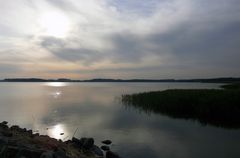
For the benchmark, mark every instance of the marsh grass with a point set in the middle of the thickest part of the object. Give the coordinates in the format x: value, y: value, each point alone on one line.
x: 218, y: 107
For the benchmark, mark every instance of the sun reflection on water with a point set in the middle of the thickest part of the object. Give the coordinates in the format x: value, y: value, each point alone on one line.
x: 56, y: 84
x: 57, y: 131
x: 56, y: 94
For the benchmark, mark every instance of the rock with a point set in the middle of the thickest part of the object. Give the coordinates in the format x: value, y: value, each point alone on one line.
x: 110, y: 154
x: 77, y: 142
x: 87, y: 143
x: 3, y: 141
x: 97, y: 151
x: 5, y: 122
x: 15, y: 127
x: 22, y: 143
x: 18, y: 152
x: 47, y: 154
x: 7, y: 133
x: 59, y: 154
x: 105, y: 148
x: 68, y: 142
x: 34, y: 135
x: 3, y: 126
x: 30, y: 132
x: 82, y: 140
x: 107, y: 142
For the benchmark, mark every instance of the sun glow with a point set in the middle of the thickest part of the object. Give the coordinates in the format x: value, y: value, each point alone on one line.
x: 57, y: 131
x: 55, y: 24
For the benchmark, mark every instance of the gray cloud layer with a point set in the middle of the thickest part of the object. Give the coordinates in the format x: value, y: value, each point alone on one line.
x: 177, y: 38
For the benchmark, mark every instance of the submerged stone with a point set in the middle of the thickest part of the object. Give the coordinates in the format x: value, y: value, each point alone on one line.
x: 107, y: 142
x: 105, y: 148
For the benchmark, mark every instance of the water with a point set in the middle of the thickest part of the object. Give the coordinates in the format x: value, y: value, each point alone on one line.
x: 95, y: 111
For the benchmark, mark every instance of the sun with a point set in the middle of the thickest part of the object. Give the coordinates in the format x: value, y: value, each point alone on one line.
x: 54, y: 24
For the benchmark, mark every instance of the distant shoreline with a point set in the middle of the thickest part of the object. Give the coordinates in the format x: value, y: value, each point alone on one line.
x: 210, y: 80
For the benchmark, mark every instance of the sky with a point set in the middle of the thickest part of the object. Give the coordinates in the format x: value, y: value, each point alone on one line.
x: 153, y: 39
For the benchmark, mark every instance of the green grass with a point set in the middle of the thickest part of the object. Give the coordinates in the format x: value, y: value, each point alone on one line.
x: 218, y: 107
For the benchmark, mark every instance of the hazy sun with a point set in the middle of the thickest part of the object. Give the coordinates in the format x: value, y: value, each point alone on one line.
x: 55, y: 24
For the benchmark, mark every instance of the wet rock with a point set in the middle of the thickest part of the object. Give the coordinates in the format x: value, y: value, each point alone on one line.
x: 3, y: 141
x: 87, y: 143
x: 47, y: 154
x: 54, y: 154
x: 19, y: 152
x: 97, y: 151
x: 110, y: 154
x: 105, y: 148
x: 77, y: 142
x: 36, y: 134
x: 30, y: 132
x: 82, y: 140
x: 5, y: 122
x: 107, y: 142
x: 68, y: 142
x: 7, y: 133
x: 15, y: 127
x: 22, y: 143
x: 3, y: 126
x: 60, y: 154
x: 24, y: 130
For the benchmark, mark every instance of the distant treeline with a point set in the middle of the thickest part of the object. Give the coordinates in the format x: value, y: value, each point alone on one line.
x: 212, y: 80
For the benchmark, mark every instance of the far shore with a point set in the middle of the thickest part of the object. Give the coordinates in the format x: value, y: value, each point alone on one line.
x: 206, y: 80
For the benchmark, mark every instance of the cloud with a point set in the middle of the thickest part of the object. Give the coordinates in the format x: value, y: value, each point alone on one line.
x: 61, y: 49
x: 8, y: 68
x: 128, y: 35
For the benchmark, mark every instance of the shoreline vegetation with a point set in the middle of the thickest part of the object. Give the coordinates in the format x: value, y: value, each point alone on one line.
x: 16, y: 142
x: 210, y: 80
x: 216, y: 107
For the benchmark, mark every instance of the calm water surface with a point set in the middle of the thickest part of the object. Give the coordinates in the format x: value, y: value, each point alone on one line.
x: 95, y: 110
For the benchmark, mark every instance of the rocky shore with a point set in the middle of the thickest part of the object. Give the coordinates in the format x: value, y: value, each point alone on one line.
x: 16, y: 142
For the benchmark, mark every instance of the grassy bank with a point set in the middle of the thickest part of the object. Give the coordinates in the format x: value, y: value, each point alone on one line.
x: 218, y: 107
